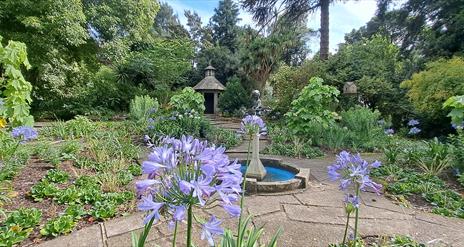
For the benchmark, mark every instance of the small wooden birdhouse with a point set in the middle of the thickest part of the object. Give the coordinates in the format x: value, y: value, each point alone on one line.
x: 350, y: 88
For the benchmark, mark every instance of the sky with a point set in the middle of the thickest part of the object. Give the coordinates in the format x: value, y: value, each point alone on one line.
x: 344, y: 17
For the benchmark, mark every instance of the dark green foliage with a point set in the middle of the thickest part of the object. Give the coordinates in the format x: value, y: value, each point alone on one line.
x: 135, y: 169
x: 234, y: 97
x: 70, y: 195
x: 57, y: 226
x: 167, y: 23
x: 285, y: 143
x: 429, y: 89
x: 125, y: 177
x: 178, y: 125
x: 224, y: 24
x: 444, y: 200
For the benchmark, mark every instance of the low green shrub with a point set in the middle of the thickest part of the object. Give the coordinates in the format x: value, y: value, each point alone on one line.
x: 142, y: 107
x: 57, y: 226
x: 407, y: 181
x: 187, y: 100
x: 9, y: 236
x: 434, y: 159
x: 234, y: 97
x: 457, y: 151
x: 76, y: 211
x: 70, y: 195
x: 43, y: 189
x: 222, y: 137
x: 103, y: 210
x: 283, y: 142
x: 24, y: 217
x: 57, y: 176
x: 135, y: 169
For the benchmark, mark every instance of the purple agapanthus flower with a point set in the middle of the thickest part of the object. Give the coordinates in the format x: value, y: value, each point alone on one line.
x: 413, y: 122
x: 147, y: 204
x: 25, y: 133
x: 353, y: 170
x: 187, y: 172
x: 352, y: 199
x: 210, y: 229
x: 389, y: 131
x: 414, y: 131
x: 252, y: 125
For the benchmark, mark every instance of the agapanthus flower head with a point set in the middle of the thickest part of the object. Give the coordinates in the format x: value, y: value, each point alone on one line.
x: 188, y: 172
x: 24, y: 133
x: 389, y: 131
x: 352, y: 200
x: 352, y: 170
x: 414, y: 131
x: 252, y: 125
x: 413, y: 122
x: 457, y: 126
x: 210, y: 229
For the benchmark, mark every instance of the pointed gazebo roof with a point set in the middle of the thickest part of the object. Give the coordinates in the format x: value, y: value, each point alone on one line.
x: 210, y: 82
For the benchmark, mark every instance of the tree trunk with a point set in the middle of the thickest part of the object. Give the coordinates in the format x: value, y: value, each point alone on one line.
x: 324, y: 45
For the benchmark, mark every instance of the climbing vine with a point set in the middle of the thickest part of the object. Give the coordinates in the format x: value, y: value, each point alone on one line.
x: 15, y: 91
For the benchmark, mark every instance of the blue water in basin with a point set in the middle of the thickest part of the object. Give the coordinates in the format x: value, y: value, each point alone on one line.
x: 274, y: 174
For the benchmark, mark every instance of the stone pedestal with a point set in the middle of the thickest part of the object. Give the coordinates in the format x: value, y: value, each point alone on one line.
x: 256, y: 168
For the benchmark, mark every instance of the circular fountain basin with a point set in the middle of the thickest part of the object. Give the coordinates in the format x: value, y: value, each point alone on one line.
x: 279, y: 177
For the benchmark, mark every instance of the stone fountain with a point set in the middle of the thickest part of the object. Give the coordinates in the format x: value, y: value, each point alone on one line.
x: 273, y: 175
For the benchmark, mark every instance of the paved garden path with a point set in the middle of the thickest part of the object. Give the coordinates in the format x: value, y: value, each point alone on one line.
x: 310, y: 217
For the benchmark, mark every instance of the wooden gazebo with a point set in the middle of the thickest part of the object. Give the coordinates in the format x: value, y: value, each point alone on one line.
x: 210, y: 87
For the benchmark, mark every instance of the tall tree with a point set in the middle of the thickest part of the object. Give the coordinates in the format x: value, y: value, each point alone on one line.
x: 266, y: 12
x: 167, y: 23
x: 224, y: 24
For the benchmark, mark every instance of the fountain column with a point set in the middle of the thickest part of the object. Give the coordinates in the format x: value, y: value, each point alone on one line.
x: 256, y: 168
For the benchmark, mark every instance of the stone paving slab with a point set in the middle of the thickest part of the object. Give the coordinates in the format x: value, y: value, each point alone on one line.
x: 311, y: 217
x: 88, y: 237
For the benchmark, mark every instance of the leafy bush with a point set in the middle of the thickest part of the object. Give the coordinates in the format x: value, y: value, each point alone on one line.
x: 187, y: 100
x: 69, y: 195
x: 43, y: 189
x: 456, y: 103
x: 57, y: 176
x: 409, y: 182
x: 78, y: 127
x: 57, y: 226
x: 434, y: 159
x: 103, y: 210
x: 457, y: 151
x: 312, y: 106
x: 234, y: 97
x: 16, y: 90
x: 75, y: 211
x: 24, y: 217
x: 222, y: 137
x: 287, y: 144
x: 142, y: 107
x: 177, y: 125
x: 429, y: 89
x: 9, y: 236
x: 364, y: 127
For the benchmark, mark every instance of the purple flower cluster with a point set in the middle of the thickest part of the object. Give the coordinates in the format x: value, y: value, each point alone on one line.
x: 25, y: 133
x: 252, y: 125
x: 352, y: 170
x: 414, y: 131
x: 389, y: 131
x: 413, y: 122
x: 187, y: 172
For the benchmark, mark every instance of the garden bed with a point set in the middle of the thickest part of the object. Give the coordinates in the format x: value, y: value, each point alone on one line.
x: 78, y: 173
